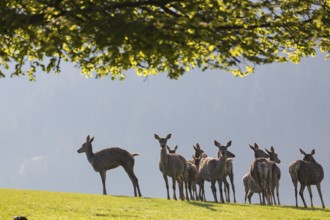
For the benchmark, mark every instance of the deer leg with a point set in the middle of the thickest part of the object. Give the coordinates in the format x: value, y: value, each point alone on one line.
x: 246, y: 190
x: 310, y: 194
x: 226, y: 189
x: 185, y: 182
x: 194, y: 190
x: 173, y: 187
x: 301, y: 193
x: 180, y: 183
x: 134, y: 180
x: 263, y: 196
x: 190, y: 189
x: 295, y: 183
x: 204, y: 197
x: 277, y: 193
x: 201, y: 191
x: 249, y: 196
x: 214, y: 191
x: 220, y: 190
x: 103, y: 177
x: 318, y: 186
x: 260, y: 199
x: 167, y: 188
x: 269, y: 196
x: 231, y: 177
x: 273, y: 194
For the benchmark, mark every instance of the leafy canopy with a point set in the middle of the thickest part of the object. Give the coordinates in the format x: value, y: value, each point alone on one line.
x: 109, y: 37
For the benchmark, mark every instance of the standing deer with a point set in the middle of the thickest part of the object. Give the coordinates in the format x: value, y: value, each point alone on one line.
x: 172, y: 165
x: 250, y: 185
x: 191, y: 177
x: 276, y: 174
x: 213, y: 170
x: 108, y: 159
x: 308, y: 172
x: 199, y: 154
x: 260, y: 171
x: 229, y: 172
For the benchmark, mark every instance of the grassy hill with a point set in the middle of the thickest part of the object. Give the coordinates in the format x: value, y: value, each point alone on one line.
x: 51, y: 205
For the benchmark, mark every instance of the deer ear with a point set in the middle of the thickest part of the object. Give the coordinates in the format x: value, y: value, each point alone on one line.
x: 87, y: 138
x: 256, y: 146
x: 272, y: 149
x: 216, y: 143
x: 91, y: 140
x: 197, y: 145
x: 313, y: 152
x: 251, y: 147
x: 230, y: 154
x: 228, y: 144
x: 268, y: 152
x: 303, y: 152
x: 156, y: 136
x: 176, y: 147
x: 168, y: 148
x: 168, y: 136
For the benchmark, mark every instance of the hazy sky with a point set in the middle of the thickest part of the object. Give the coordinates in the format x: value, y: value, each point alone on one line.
x: 43, y: 123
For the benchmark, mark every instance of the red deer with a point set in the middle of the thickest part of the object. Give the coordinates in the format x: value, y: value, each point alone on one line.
x: 108, y: 159
x: 172, y: 165
x: 307, y: 172
x: 213, y: 170
x: 250, y: 185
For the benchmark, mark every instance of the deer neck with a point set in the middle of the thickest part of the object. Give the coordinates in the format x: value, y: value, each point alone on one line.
x: 90, y: 154
x: 222, y: 161
x: 163, y: 156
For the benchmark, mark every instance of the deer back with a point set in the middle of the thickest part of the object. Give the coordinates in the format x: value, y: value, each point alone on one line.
x: 212, y: 168
x: 260, y: 171
x: 172, y: 164
x: 111, y: 158
x: 275, y: 173
x: 310, y: 173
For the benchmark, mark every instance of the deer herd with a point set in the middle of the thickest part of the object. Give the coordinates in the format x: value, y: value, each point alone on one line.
x: 263, y: 177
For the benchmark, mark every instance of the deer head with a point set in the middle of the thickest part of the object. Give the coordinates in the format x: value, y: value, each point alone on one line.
x: 222, y: 148
x: 258, y: 153
x: 272, y: 155
x: 162, y: 141
x: 172, y: 151
x: 86, y: 145
x: 198, y: 150
x: 308, y: 157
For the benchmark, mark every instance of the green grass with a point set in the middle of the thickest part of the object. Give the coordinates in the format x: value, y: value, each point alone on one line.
x: 51, y: 205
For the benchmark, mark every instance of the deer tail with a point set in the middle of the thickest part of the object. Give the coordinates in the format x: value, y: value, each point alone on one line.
x: 293, y: 170
x: 135, y: 154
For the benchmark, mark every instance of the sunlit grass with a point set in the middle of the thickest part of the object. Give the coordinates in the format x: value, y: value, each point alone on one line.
x: 51, y: 205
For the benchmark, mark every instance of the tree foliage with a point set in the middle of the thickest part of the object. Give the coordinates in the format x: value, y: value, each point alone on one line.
x: 109, y: 37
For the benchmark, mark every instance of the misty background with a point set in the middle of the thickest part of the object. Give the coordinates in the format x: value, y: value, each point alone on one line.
x: 43, y: 123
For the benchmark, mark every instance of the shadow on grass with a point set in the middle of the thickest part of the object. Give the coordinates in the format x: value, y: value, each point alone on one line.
x: 289, y: 207
x: 207, y: 205
x: 101, y: 215
x: 304, y: 209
